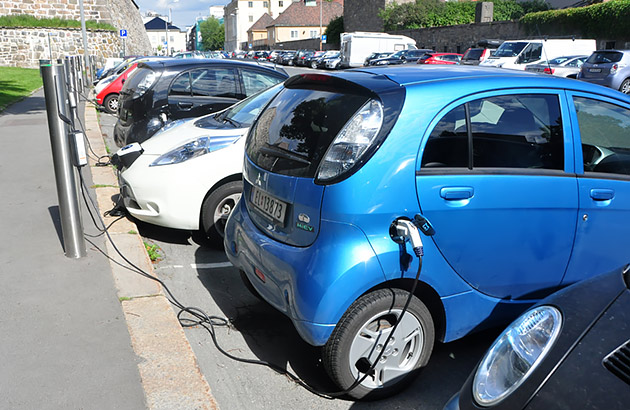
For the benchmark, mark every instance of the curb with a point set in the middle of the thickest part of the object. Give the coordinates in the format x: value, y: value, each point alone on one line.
x: 170, y: 374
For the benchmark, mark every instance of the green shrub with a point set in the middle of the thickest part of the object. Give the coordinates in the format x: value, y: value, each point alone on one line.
x: 608, y: 20
x: 23, y: 20
x: 334, y: 30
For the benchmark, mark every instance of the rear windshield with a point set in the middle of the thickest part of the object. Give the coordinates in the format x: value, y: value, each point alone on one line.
x: 602, y: 57
x: 473, y: 54
x: 293, y: 133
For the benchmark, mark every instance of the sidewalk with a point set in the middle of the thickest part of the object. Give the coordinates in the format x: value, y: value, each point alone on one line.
x: 79, y: 333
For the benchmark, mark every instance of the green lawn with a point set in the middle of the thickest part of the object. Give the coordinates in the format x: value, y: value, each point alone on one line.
x: 16, y: 83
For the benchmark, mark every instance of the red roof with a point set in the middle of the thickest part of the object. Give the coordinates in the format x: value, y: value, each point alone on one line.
x: 262, y: 23
x: 299, y: 14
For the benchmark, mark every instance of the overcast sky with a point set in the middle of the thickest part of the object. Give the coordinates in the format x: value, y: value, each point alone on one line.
x: 183, y: 12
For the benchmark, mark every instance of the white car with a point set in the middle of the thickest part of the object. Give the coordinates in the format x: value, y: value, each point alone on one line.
x: 188, y: 175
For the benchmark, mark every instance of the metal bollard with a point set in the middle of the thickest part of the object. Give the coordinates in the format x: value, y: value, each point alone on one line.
x: 66, y: 175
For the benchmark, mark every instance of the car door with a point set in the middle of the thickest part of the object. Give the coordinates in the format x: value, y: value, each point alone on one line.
x: 602, y: 132
x: 254, y: 80
x: 202, y: 91
x: 495, y: 180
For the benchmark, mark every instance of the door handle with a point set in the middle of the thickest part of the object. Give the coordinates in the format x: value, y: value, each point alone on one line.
x: 457, y: 193
x: 185, y: 105
x: 599, y: 194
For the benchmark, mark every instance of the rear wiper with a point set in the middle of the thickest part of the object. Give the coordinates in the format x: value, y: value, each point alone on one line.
x: 280, y: 153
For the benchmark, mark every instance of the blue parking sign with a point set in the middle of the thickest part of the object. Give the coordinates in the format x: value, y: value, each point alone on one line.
x: 123, y: 33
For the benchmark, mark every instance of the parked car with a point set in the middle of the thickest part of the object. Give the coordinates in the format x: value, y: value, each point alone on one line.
x: 107, y: 96
x: 287, y: 58
x: 440, y: 58
x: 156, y: 184
x: 261, y: 55
x: 109, y: 64
x: 311, y: 59
x: 474, y: 56
x: 568, y: 66
x: 570, y: 351
x: 331, y: 54
x: 401, y: 57
x: 539, y: 200
x: 333, y: 62
x: 610, y: 68
x: 166, y: 90
x: 300, y: 56
x: 375, y: 56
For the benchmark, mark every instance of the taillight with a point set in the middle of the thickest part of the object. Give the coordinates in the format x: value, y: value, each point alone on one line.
x: 614, y: 68
x: 352, y: 142
x: 548, y: 70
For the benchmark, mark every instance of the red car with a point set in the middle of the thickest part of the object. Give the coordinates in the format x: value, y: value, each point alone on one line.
x: 440, y: 58
x: 108, y: 97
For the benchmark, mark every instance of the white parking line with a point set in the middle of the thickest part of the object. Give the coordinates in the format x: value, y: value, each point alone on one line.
x: 211, y: 265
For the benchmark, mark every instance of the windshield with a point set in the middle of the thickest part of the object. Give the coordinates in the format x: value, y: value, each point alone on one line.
x: 510, y: 49
x: 241, y: 114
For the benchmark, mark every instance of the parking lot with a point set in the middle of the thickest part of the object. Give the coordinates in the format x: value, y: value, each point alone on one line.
x: 200, y: 276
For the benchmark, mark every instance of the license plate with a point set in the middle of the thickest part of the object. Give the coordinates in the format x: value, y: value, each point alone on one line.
x: 594, y: 70
x: 271, y: 207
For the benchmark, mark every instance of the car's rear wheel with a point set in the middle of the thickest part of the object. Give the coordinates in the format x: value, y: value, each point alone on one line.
x: 359, y: 338
x: 216, y: 209
x: 625, y: 86
x: 314, y: 64
x: 111, y: 103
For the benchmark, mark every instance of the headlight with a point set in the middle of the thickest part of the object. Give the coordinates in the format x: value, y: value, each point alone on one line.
x: 193, y: 149
x: 515, y: 354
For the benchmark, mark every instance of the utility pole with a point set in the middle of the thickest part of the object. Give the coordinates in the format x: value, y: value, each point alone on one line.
x: 86, y: 54
x: 321, y: 7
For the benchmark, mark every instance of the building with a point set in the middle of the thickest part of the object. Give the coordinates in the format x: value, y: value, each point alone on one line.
x: 217, y: 12
x: 157, y: 31
x: 301, y: 21
x: 257, y: 34
x: 240, y: 15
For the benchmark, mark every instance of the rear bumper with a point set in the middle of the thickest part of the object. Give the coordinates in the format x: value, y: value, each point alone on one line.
x: 312, y: 285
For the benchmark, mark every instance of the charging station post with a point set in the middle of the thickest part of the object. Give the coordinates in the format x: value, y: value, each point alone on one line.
x: 65, y: 173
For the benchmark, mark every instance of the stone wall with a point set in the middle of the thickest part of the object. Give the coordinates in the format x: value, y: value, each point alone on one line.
x: 362, y: 15
x: 23, y: 47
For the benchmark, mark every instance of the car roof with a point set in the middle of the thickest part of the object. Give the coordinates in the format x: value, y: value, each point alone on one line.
x: 185, y: 63
x: 478, y: 78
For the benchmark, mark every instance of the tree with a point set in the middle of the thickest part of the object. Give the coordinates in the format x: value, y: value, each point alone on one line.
x: 334, y: 30
x: 212, y: 34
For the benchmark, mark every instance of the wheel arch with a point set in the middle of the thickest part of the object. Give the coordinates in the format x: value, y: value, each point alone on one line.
x: 427, y: 295
x: 229, y: 178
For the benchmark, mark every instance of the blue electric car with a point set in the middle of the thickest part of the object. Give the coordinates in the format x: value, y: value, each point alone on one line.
x: 525, y: 179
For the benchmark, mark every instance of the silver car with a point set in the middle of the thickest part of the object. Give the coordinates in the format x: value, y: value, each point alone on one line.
x: 610, y: 68
x: 568, y: 66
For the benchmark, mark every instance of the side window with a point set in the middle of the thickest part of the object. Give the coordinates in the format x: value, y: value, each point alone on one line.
x: 254, y: 81
x: 605, y: 133
x: 181, y: 85
x: 517, y: 131
x: 448, y: 144
x: 509, y: 131
x: 531, y: 53
x: 213, y: 82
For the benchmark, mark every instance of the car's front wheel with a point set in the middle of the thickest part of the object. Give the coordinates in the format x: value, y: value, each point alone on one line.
x: 216, y: 209
x: 625, y: 86
x: 111, y: 103
x: 360, y: 337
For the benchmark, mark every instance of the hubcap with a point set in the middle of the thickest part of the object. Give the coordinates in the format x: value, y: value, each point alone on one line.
x: 113, y: 104
x: 625, y: 87
x: 223, y: 211
x: 399, y: 356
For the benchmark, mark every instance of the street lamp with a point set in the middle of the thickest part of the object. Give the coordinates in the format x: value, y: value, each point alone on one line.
x: 167, y: 23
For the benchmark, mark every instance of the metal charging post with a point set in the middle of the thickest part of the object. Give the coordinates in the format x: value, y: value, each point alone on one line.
x: 65, y: 173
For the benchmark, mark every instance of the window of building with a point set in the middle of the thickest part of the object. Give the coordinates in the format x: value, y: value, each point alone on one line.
x: 251, y: 19
x: 314, y: 34
x: 294, y: 33
x: 250, y: 4
x: 265, y: 4
x: 280, y: 3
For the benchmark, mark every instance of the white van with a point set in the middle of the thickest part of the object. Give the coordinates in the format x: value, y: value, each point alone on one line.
x: 356, y: 46
x: 516, y: 54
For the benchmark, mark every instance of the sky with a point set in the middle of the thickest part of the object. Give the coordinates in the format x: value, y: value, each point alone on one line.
x: 183, y: 12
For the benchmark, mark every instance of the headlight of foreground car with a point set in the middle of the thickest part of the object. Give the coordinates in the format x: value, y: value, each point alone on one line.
x: 515, y: 354
x: 193, y: 149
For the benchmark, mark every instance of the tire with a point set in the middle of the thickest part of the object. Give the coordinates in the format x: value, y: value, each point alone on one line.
x: 110, y: 103
x: 216, y: 209
x: 356, y: 337
x: 314, y: 64
x: 625, y: 86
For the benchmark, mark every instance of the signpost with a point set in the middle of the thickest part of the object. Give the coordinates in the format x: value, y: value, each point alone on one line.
x: 123, y: 34
x: 324, y: 38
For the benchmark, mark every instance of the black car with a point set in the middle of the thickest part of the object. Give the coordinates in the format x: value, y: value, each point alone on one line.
x: 165, y: 90
x: 571, y: 351
x: 402, y: 57
x: 287, y: 58
x: 375, y: 56
x: 300, y: 56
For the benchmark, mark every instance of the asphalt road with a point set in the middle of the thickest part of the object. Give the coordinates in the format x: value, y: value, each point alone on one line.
x: 201, y: 276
